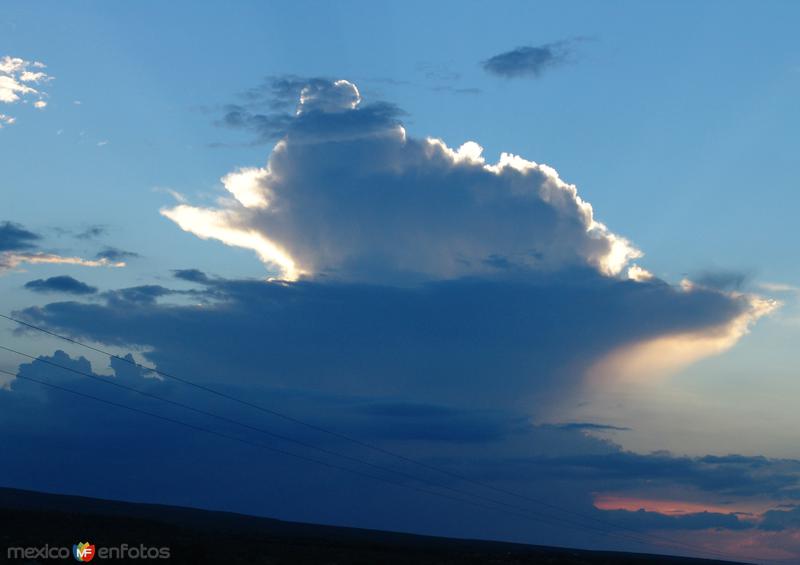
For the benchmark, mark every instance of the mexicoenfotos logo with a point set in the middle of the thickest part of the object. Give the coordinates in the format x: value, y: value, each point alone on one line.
x: 83, y: 552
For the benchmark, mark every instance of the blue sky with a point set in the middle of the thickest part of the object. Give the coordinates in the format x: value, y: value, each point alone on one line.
x: 677, y: 122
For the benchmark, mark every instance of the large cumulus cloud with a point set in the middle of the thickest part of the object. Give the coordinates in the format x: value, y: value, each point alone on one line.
x: 347, y: 194
x: 421, y: 298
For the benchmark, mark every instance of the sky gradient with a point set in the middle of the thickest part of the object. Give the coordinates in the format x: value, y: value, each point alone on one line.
x: 549, y: 248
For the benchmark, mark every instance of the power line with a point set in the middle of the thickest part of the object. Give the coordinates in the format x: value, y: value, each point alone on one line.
x: 116, y: 384
x: 229, y: 437
x: 365, y: 444
x: 524, y: 514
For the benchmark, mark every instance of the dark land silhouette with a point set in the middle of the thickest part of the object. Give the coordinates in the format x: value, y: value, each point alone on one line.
x: 200, y: 536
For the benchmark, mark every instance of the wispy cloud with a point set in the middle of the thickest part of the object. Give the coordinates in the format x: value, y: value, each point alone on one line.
x: 590, y: 427
x: 115, y: 254
x: 19, y: 245
x: 92, y: 232
x: 780, y: 287
x: 14, y: 260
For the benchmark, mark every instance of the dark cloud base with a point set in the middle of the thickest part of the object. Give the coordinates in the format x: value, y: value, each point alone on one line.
x: 465, y: 342
x: 111, y: 453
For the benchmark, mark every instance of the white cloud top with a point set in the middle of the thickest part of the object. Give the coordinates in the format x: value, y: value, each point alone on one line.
x: 347, y: 194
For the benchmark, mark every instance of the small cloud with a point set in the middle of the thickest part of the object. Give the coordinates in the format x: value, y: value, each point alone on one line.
x: 18, y: 84
x: 113, y: 254
x: 721, y: 280
x: 14, y: 237
x: 102, y: 143
x: 65, y: 284
x: 589, y: 427
x: 530, y: 61
x: 145, y: 294
x: 191, y: 275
